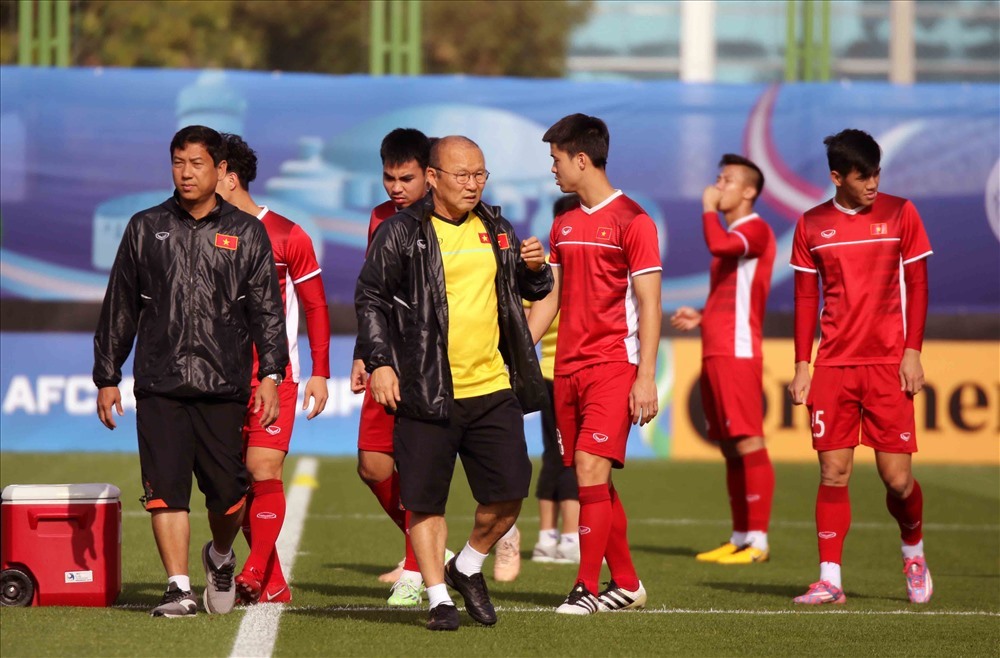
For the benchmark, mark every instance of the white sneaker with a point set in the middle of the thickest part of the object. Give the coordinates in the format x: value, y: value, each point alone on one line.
x: 579, y: 602
x: 220, y: 591
x: 507, y: 564
x: 618, y: 598
x: 544, y: 552
x: 568, y: 552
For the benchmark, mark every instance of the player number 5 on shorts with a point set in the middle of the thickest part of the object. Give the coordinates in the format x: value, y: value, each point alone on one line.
x: 818, y: 426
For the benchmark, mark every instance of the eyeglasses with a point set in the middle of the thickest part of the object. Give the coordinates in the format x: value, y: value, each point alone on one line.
x: 463, y: 178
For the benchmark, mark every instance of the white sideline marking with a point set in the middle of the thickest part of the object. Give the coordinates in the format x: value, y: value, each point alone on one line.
x: 259, y: 627
x: 680, y: 611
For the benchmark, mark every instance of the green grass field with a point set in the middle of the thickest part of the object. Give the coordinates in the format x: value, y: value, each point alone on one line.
x: 675, y: 510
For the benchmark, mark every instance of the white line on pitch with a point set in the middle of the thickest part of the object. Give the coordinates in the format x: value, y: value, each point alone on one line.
x: 675, y: 611
x: 259, y: 627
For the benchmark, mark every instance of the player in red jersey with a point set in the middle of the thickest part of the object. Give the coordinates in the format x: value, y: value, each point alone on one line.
x: 606, y: 262
x: 732, y: 363
x: 405, y: 154
x: 868, y: 252
x: 266, y: 447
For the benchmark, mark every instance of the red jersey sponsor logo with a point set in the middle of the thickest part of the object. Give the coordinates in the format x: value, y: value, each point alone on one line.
x: 600, y: 438
x: 879, y: 229
x: 566, y: 230
x: 905, y: 436
x: 584, y: 530
x: 267, y: 516
x: 484, y: 238
x: 272, y: 430
x: 826, y: 534
x: 502, y: 241
x: 828, y: 233
x: 223, y: 241
x: 604, y: 234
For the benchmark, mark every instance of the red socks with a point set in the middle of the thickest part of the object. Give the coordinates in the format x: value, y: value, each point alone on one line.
x: 595, y: 527
x: 759, y: 490
x: 618, y: 553
x: 736, y: 485
x: 387, y: 493
x: 909, y: 514
x: 833, y: 520
x: 267, y: 514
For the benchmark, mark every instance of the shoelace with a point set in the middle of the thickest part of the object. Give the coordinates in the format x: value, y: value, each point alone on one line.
x: 506, y: 553
x: 172, y: 595
x: 914, y: 574
x: 223, y: 576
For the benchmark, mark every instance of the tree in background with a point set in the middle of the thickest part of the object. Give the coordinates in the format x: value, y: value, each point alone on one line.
x: 516, y: 38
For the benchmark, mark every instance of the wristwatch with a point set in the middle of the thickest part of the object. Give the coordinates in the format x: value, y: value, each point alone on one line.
x: 276, y: 377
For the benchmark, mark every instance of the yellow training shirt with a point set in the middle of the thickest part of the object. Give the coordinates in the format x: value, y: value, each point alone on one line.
x: 470, y: 270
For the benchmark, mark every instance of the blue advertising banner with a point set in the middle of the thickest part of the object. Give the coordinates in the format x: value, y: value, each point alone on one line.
x: 84, y: 149
x: 48, y: 402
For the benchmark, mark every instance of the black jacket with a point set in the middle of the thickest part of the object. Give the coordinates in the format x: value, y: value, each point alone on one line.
x: 195, y: 293
x: 402, y: 311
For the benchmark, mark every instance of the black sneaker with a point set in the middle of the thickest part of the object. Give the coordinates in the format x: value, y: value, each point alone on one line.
x: 443, y: 617
x: 176, y: 603
x: 579, y: 602
x: 473, y: 590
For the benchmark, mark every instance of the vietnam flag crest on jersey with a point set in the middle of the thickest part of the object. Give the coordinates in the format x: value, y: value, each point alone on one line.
x: 879, y: 229
x: 503, y: 241
x: 223, y: 241
x: 604, y: 234
x: 484, y: 238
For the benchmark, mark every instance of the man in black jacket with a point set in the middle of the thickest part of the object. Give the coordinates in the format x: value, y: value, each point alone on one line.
x: 194, y: 282
x: 441, y: 288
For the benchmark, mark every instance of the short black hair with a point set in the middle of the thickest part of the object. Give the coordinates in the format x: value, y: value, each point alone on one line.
x: 758, y: 176
x: 240, y: 159
x: 565, y: 203
x: 851, y: 150
x: 404, y: 144
x: 207, y: 137
x: 579, y: 133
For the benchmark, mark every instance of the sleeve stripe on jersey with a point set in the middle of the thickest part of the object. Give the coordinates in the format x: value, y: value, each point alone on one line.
x: 308, y: 276
x: 803, y: 269
x: 592, y: 244
x: 916, y: 258
x: 746, y: 243
x: 840, y: 244
x: 555, y: 265
x: 648, y: 269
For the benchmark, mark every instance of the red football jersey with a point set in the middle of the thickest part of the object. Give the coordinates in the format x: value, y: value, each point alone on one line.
x: 295, y: 261
x: 742, y: 260
x: 599, y: 250
x: 859, y: 256
x: 380, y: 213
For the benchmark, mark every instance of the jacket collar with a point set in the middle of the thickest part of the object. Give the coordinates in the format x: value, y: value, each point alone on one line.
x: 222, y: 207
x: 421, y: 210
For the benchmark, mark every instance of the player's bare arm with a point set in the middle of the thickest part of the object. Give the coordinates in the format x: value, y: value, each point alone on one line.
x: 385, y: 387
x: 710, y: 199
x: 911, y: 372
x: 265, y: 401
x: 316, y: 390
x: 799, y: 388
x: 359, y: 377
x: 685, y: 318
x: 544, y: 311
x: 533, y: 254
x: 643, y: 401
x: 107, y: 397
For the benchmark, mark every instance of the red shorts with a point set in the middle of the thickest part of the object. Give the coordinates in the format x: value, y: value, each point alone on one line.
x: 844, y: 399
x: 375, y: 429
x: 278, y: 434
x: 592, y: 411
x: 732, y: 397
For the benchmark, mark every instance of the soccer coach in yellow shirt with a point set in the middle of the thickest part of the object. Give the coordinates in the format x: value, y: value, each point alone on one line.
x: 441, y: 330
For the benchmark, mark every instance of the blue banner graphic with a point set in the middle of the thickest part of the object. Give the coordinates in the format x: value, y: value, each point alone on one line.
x: 84, y: 149
x: 48, y: 402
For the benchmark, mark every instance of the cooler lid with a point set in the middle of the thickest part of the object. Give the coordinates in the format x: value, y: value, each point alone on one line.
x: 15, y: 493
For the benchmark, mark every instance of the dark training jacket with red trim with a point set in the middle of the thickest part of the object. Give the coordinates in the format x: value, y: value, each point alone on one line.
x: 402, y: 310
x: 195, y: 296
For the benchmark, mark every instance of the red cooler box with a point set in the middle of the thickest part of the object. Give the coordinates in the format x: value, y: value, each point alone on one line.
x: 61, y: 544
